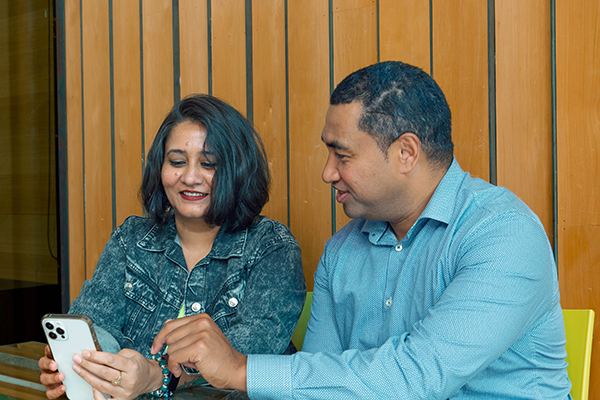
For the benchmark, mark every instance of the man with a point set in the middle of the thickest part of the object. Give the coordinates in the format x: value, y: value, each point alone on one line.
x: 442, y: 286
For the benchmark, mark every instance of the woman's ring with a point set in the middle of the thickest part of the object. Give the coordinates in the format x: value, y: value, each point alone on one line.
x: 117, y: 381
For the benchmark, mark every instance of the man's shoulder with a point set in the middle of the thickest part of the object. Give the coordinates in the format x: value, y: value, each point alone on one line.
x: 350, y: 232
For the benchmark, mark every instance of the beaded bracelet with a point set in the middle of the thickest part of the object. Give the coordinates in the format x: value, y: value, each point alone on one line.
x: 165, y: 389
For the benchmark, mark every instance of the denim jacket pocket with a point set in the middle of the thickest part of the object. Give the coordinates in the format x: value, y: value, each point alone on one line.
x: 142, y: 301
x: 227, y: 301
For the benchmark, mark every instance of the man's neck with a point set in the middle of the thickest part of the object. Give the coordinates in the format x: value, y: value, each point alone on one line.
x: 422, y: 190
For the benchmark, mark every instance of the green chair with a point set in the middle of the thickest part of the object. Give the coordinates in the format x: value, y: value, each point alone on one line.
x: 300, y: 331
x: 579, y: 329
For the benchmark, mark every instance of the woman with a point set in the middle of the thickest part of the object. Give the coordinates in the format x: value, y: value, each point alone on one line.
x: 202, y: 249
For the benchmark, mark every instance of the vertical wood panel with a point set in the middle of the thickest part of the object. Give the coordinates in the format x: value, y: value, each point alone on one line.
x: 193, y: 22
x: 578, y: 113
x: 268, y: 36
x: 97, y: 125
x: 158, y: 65
x: 578, y: 163
x: 229, y: 52
x: 524, y: 103
x: 404, y: 32
x: 310, y: 215
x: 127, y: 108
x: 354, y: 47
x: 460, y: 67
x: 578, y: 260
x: 74, y: 145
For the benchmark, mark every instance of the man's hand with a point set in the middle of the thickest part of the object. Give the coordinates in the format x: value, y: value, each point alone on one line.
x: 197, y: 342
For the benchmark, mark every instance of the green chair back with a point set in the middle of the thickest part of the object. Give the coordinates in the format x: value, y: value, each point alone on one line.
x: 300, y: 331
x: 579, y: 329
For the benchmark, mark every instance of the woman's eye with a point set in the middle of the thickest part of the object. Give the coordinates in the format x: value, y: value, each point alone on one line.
x: 208, y: 165
x: 177, y: 163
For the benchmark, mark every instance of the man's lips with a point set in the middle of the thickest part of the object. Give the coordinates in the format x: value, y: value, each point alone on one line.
x: 192, y: 196
x: 340, y: 195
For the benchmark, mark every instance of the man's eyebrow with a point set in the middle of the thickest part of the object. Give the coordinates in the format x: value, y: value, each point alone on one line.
x: 335, y: 145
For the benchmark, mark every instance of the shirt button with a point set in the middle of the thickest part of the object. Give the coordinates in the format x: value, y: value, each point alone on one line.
x: 388, y: 302
x: 398, y: 247
x: 127, y: 287
x: 196, y: 307
x: 233, y: 302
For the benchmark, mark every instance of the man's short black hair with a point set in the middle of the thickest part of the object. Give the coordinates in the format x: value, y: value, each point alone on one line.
x: 397, y: 98
x: 240, y: 185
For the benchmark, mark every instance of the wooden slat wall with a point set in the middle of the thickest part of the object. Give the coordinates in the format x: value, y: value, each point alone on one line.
x: 269, y: 97
x: 276, y: 61
x: 460, y: 67
x: 308, y: 97
x: 578, y: 162
x: 354, y: 47
x: 524, y: 121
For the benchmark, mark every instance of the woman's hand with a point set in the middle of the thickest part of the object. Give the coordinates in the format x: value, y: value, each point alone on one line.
x: 50, y: 377
x: 197, y: 342
x: 123, y: 376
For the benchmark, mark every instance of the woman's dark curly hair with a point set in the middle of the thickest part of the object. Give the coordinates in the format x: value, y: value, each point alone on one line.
x: 240, y: 185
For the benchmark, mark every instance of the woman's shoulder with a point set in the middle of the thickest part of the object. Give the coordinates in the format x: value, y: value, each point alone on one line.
x: 264, y: 228
x: 135, y: 227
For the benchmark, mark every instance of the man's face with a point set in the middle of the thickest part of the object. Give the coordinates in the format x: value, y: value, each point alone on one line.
x: 357, y: 168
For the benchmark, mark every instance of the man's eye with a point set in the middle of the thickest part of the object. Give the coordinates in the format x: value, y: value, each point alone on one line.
x: 340, y: 156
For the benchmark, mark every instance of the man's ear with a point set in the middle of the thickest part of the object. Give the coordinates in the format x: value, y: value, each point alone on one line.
x: 405, y: 152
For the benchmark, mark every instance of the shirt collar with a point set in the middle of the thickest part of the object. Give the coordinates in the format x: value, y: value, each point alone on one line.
x: 440, y: 206
x: 226, y: 245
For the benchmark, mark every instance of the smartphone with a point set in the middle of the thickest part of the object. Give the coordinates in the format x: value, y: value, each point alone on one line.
x: 67, y: 335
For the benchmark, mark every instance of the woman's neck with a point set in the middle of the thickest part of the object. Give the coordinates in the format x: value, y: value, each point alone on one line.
x: 196, y: 240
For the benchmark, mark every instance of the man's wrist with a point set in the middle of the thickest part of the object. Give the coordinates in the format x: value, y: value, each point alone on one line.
x: 240, y: 380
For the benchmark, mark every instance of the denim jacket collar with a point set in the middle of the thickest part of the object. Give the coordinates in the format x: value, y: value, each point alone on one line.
x: 228, y: 244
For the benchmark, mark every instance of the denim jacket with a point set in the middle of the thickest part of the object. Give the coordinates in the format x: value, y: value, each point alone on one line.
x: 251, y: 284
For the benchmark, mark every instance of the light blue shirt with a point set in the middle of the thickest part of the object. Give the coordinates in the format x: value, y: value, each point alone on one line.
x: 465, y: 306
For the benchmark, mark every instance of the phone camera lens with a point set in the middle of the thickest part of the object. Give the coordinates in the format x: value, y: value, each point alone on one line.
x: 49, y: 326
x: 52, y: 335
x: 60, y: 331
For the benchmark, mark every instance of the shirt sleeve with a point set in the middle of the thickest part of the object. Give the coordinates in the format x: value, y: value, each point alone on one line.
x: 504, y: 284
x: 273, y: 301
x: 321, y: 332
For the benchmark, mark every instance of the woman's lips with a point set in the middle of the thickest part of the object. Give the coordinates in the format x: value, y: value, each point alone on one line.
x: 192, y: 196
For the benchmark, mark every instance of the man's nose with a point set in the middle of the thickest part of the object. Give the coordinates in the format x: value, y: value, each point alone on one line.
x: 330, y: 172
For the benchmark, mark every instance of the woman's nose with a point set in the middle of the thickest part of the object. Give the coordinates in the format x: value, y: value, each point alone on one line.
x: 192, y: 176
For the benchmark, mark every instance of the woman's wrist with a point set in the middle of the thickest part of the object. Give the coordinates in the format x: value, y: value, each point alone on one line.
x: 155, y: 377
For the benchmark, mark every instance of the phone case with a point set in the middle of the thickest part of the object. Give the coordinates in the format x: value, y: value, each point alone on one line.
x: 67, y: 335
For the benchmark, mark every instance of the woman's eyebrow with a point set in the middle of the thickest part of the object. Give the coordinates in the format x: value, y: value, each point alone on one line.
x: 178, y: 151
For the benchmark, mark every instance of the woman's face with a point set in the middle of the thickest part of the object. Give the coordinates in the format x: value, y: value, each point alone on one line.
x: 187, y: 171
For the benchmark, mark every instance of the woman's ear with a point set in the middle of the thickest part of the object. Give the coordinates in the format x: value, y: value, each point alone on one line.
x: 405, y: 152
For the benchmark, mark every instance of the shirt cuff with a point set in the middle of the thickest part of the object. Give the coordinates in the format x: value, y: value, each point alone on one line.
x: 269, y: 376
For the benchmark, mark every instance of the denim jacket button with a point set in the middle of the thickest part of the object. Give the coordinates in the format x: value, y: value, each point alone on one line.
x: 127, y: 287
x: 196, y: 307
x: 233, y: 302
